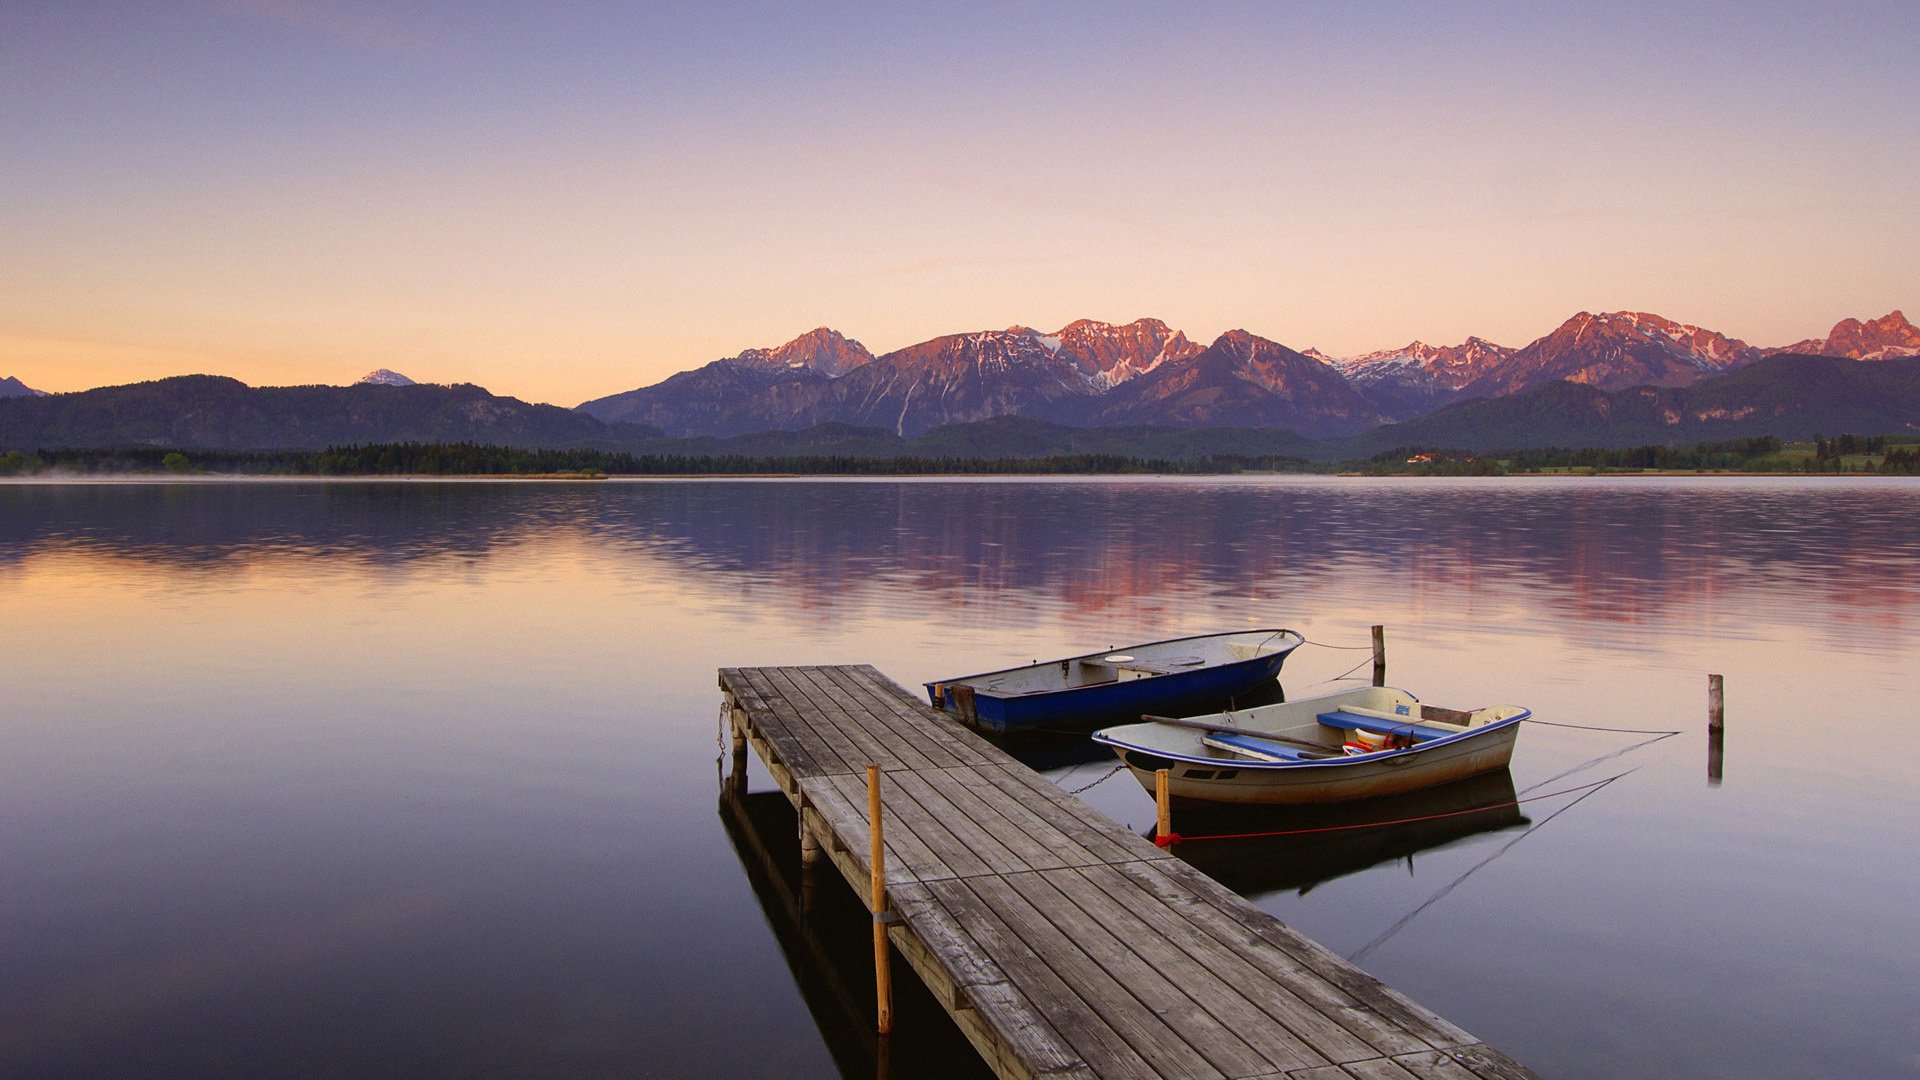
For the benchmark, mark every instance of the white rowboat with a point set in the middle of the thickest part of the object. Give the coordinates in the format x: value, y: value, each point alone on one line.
x: 1355, y: 744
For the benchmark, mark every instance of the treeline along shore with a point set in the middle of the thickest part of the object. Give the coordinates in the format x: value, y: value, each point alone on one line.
x: 1897, y: 455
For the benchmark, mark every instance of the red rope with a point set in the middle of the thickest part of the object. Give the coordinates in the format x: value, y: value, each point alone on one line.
x: 1174, y: 838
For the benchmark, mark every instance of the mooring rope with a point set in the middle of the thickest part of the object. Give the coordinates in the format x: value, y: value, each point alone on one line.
x: 1594, y: 727
x: 1347, y: 674
x: 1401, y: 923
x: 1602, y: 759
x: 1324, y: 645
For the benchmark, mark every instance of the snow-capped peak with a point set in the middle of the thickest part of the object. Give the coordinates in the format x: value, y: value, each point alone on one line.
x: 384, y: 377
x: 821, y: 349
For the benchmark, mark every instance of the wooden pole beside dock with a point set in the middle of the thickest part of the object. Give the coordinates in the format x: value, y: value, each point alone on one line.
x: 1379, y: 656
x: 882, y: 971
x: 1163, y: 809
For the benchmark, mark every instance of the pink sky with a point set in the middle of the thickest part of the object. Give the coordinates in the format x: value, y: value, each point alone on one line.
x: 561, y: 206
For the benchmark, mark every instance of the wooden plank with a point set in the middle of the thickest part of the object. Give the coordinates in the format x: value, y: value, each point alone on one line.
x: 1138, y: 964
x: 909, y: 705
x: 1098, y: 1044
x: 1038, y: 844
x: 829, y: 746
x: 907, y: 721
x: 891, y: 750
x: 1337, y: 970
x: 842, y: 802
x: 1102, y: 838
x: 1336, y: 1028
x: 1277, y: 1022
x: 1361, y: 1003
x: 1021, y: 817
x: 964, y: 819
x: 1240, y: 929
x: 927, y: 753
x: 803, y: 754
x: 1009, y: 1026
x: 855, y: 746
x: 940, y: 853
x: 967, y: 748
x: 795, y: 753
x: 1148, y: 1033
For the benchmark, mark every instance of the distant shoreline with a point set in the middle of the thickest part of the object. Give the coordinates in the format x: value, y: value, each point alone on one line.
x: 1842, y: 455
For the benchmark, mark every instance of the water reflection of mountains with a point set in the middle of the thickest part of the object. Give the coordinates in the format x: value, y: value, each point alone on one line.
x: 1257, y: 866
x: 826, y: 934
x: 1608, y: 551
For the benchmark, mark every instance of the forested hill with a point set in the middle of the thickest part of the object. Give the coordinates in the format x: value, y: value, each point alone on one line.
x: 1786, y: 396
x: 217, y: 413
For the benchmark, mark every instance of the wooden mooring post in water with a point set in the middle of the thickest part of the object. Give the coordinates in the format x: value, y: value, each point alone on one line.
x: 1716, y: 727
x: 1379, y: 656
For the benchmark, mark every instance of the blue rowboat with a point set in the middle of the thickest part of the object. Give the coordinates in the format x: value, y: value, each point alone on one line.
x: 1188, y: 674
x: 1356, y: 744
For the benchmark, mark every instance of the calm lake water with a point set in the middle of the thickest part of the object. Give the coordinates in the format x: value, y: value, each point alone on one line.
x: 421, y: 779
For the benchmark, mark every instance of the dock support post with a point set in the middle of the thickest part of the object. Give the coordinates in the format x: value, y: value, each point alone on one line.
x: 809, y: 844
x: 737, y: 774
x: 1716, y: 727
x: 882, y: 973
x: 964, y: 706
x: 1379, y: 656
x: 1163, y: 809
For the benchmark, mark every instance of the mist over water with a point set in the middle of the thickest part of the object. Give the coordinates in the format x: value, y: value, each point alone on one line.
x: 420, y: 778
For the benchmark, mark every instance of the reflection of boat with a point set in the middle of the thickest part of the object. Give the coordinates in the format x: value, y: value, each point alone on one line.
x: 1353, y: 838
x: 1355, y: 744
x: 1181, y: 674
x: 826, y: 934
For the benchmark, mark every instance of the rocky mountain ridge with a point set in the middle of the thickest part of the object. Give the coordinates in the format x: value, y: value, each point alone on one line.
x: 1885, y: 338
x: 11, y: 387
x: 1146, y: 372
x: 1418, y: 378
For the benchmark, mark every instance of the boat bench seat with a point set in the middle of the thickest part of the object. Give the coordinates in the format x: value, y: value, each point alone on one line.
x: 1149, y: 665
x: 1350, y: 721
x: 1254, y: 746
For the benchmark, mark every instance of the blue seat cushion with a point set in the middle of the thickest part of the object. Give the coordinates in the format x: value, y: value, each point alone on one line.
x: 1346, y: 721
x: 1264, y: 747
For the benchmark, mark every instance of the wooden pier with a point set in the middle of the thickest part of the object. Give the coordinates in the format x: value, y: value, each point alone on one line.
x: 1061, y: 943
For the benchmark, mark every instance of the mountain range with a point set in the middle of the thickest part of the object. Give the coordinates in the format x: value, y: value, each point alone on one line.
x: 1608, y: 379
x: 1092, y: 373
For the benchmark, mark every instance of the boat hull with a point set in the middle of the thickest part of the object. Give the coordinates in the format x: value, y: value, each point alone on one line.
x: 1330, y: 780
x: 1355, y: 744
x: 1201, y: 689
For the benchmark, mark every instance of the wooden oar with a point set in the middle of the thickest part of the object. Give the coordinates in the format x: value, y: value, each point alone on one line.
x: 1202, y: 725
